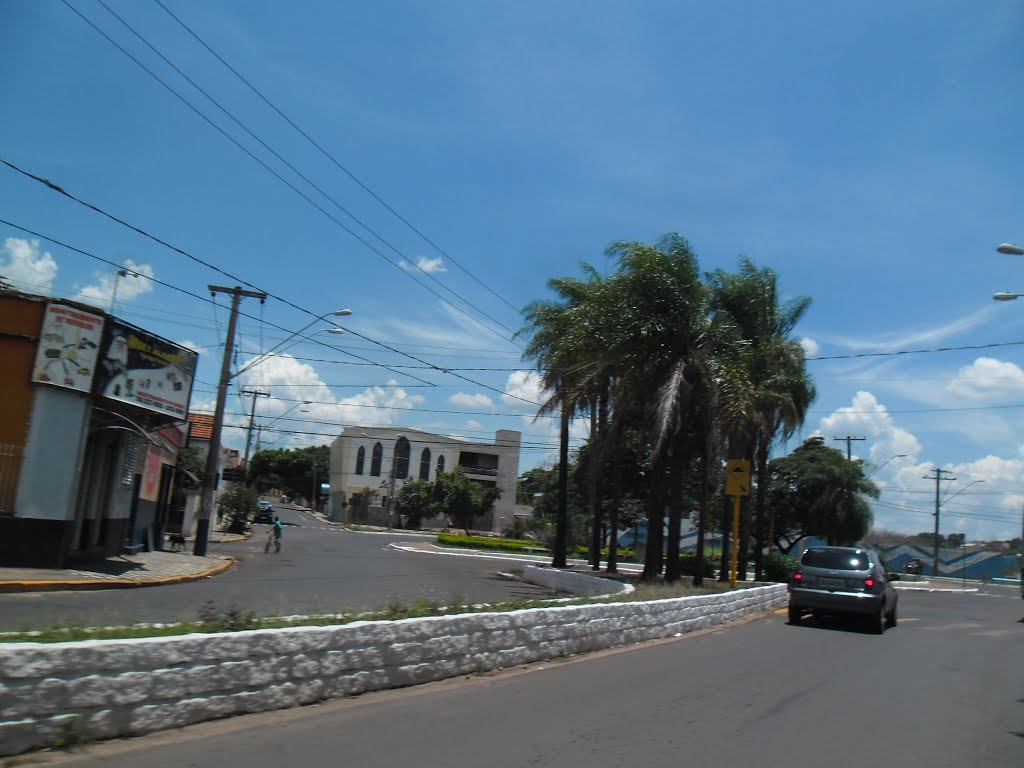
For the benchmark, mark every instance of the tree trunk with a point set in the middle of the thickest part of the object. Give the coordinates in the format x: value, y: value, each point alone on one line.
x: 593, y: 490
x: 761, y: 521
x: 702, y: 522
x: 559, y: 552
x: 654, y: 557
x: 725, y: 564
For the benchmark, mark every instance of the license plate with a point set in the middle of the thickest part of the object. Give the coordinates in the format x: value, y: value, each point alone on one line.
x: 832, y: 582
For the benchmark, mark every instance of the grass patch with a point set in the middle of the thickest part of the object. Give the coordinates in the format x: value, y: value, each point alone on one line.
x: 214, y: 619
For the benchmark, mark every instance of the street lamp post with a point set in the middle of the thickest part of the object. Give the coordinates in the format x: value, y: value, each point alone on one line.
x: 876, y: 469
x: 213, y: 454
x: 1011, y: 249
x: 117, y: 277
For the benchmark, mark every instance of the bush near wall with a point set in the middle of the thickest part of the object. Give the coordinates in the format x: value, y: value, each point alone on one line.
x: 487, y: 542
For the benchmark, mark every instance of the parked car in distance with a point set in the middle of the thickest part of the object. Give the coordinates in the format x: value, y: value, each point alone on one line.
x: 265, y: 513
x: 843, y: 580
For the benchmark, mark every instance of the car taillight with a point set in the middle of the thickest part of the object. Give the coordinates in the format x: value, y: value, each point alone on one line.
x: 869, y: 583
x: 798, y: 577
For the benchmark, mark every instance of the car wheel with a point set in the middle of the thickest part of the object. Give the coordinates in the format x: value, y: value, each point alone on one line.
x: 890, y: 618
x: 794, y: 614
x: 878, y: 622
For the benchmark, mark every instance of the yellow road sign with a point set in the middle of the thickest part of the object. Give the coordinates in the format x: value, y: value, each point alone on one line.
x: 737, y: 477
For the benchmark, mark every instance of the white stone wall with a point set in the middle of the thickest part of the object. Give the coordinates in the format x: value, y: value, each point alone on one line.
x: 133, y: 687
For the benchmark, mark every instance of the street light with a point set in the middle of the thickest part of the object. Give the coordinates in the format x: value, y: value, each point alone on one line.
x: 268, y: 353
x: 117, y: 277
x: 897, y: 456
x: 261, y: 427
x: 1011, y: 249
x: 1006, y: 296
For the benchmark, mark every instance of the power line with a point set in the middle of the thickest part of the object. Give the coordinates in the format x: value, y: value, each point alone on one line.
x: 917, y: 351
x: 203, y: 298
x: 289, y: 165
x: 438, y: 368
x: 331, y: 157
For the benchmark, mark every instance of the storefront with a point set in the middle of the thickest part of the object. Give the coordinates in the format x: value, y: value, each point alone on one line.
x: 91, y: 418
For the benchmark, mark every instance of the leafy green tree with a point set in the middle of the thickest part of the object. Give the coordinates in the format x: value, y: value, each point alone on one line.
x: 413, y: 501
x: 454, y: 494
x: 190, y: 459
x: 817, y: 491
x: 237, y: 506
x: 294, y: 471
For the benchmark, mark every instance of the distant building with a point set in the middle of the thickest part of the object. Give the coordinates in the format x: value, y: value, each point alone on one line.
x: 369, y: 465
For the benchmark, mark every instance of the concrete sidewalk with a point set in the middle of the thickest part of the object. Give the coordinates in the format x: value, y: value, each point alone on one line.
x: 145, y: 569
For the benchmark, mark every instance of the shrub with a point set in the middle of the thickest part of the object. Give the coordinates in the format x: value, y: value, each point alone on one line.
x: 688, y: 565
x: 237, y: 505
x: 779, y: 568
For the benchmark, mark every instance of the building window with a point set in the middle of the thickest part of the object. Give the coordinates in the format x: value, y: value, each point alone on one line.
x: 440, y: 464
x: 425, y: 464
x: 360, y: 459
x: 401, y: 458
x: 378, y: 455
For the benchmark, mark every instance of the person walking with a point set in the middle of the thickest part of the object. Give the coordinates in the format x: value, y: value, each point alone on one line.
x: 278, y: 531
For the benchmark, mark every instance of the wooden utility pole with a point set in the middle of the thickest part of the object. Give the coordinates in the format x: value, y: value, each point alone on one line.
x: 848, y: 439
x: 252, y: 417
x: 938, y: 503
x: 213, y: 455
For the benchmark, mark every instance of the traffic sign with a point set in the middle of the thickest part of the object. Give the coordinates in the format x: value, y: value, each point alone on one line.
x: 737, y: 477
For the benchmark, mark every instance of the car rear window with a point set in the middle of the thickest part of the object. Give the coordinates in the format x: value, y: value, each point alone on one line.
x: 836, y: 559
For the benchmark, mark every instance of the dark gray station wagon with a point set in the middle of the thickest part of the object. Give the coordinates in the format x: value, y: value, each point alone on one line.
x: 848, y: 580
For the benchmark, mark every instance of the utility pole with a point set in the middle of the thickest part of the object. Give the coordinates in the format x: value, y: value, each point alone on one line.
x: 213, y: 454
x: 848, y: 439
x: 938, y: 479
x: 252, y: 417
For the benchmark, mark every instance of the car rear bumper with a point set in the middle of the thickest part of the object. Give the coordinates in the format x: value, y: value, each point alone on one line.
x: 839, y: 601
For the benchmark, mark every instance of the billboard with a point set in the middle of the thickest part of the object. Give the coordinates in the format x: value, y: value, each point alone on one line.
x: 142, y: 369
x: 69, y: 342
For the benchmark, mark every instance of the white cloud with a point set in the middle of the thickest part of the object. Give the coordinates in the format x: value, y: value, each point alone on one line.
x: 810, y: 346
x: 199, y: 349
x: 24, y: 266
x: 430, y: 266
x: 868, y: 418
x: 890, y: 341
x: 137, y: 281
x: 471, y: 401
x: 987, y: 379
x: 524, y: 385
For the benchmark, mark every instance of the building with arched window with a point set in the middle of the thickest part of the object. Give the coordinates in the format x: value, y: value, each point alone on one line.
x: 369, y: 465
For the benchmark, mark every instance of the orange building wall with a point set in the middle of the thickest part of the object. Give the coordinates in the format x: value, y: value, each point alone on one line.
x: 20, y: 321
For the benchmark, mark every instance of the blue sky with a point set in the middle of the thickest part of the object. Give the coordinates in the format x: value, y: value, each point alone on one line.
x: 868, y: 152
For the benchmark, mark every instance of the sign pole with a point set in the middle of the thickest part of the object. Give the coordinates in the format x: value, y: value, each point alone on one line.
x: 737, y: 484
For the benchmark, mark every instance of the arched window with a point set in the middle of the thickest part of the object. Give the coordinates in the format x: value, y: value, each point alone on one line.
x: 425, y: 464
x: 440, y: 464
x: 378, y: 455
x: 401, y: 458
x: 360, y: 459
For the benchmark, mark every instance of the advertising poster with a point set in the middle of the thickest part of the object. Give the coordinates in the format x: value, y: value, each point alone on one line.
x: 69, y: 343
x: 139, y: 368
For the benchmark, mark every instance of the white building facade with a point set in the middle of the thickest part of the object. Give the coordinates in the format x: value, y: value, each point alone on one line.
x: 369, y: 465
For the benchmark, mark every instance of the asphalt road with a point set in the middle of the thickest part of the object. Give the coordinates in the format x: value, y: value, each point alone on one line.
x: 320, y: 569
x: 944, y: 688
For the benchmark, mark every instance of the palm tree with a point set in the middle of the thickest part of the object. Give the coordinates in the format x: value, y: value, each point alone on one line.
x: 660, y: 346
x: 780, y: 389
x: 566, y: 345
